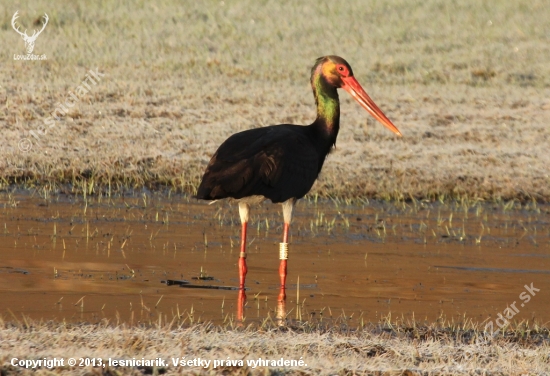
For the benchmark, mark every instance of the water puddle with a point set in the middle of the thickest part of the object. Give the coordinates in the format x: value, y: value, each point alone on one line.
x: 66, y: 258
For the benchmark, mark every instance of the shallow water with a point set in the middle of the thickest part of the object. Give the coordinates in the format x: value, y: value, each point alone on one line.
x: 68, y: 258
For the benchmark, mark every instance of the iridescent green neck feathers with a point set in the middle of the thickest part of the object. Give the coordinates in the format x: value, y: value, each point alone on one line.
x: 326, y: 99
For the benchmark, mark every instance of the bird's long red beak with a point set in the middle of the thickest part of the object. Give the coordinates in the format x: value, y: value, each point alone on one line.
x: 354, y: 88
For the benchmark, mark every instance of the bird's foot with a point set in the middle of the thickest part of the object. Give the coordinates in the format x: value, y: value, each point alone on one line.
x: 282, y: 294
x: 241, y: 301
x: 281, y: 312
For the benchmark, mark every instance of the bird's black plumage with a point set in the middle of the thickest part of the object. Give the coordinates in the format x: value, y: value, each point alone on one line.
x: 278, y: 162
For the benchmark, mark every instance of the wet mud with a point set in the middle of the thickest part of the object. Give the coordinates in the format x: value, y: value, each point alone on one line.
x: 98, y: 258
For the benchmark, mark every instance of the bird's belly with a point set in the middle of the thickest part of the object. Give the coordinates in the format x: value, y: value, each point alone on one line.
x: 250, y: 200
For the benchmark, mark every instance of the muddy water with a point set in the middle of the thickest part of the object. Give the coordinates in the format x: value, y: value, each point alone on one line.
x: 77, y: 259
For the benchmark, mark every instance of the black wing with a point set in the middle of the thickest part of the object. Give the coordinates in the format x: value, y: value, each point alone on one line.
x: 278, y: 162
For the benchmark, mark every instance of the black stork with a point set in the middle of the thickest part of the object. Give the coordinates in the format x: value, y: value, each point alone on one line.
x: 281, y: 162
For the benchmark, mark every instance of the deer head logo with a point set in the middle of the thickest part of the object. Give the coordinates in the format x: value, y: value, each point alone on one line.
x: 29, y: 40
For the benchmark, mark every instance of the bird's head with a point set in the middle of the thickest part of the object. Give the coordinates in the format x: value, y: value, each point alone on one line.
x: 338, y: 73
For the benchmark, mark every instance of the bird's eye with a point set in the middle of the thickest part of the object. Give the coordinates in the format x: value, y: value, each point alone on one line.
x: 342, y: 70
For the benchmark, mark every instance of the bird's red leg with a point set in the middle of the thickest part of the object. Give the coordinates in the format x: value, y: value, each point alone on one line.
x: 288, y: 207
x: 244, y: 209
x: 283, y: 255
x: 242, y: 257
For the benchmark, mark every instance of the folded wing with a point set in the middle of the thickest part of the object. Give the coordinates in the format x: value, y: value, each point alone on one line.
x: 277, y: 162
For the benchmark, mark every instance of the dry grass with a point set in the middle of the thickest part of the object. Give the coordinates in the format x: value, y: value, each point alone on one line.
x: 383, y: 349
x: 467, y: 83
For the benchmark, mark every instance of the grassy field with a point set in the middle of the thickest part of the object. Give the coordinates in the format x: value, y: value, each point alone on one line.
x: 467, y: 83
x: 383, y: 349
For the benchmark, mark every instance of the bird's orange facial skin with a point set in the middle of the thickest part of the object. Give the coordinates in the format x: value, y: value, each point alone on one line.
x: 334, y: 73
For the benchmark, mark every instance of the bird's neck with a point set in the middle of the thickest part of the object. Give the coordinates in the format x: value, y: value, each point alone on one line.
x: 328, y: 108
